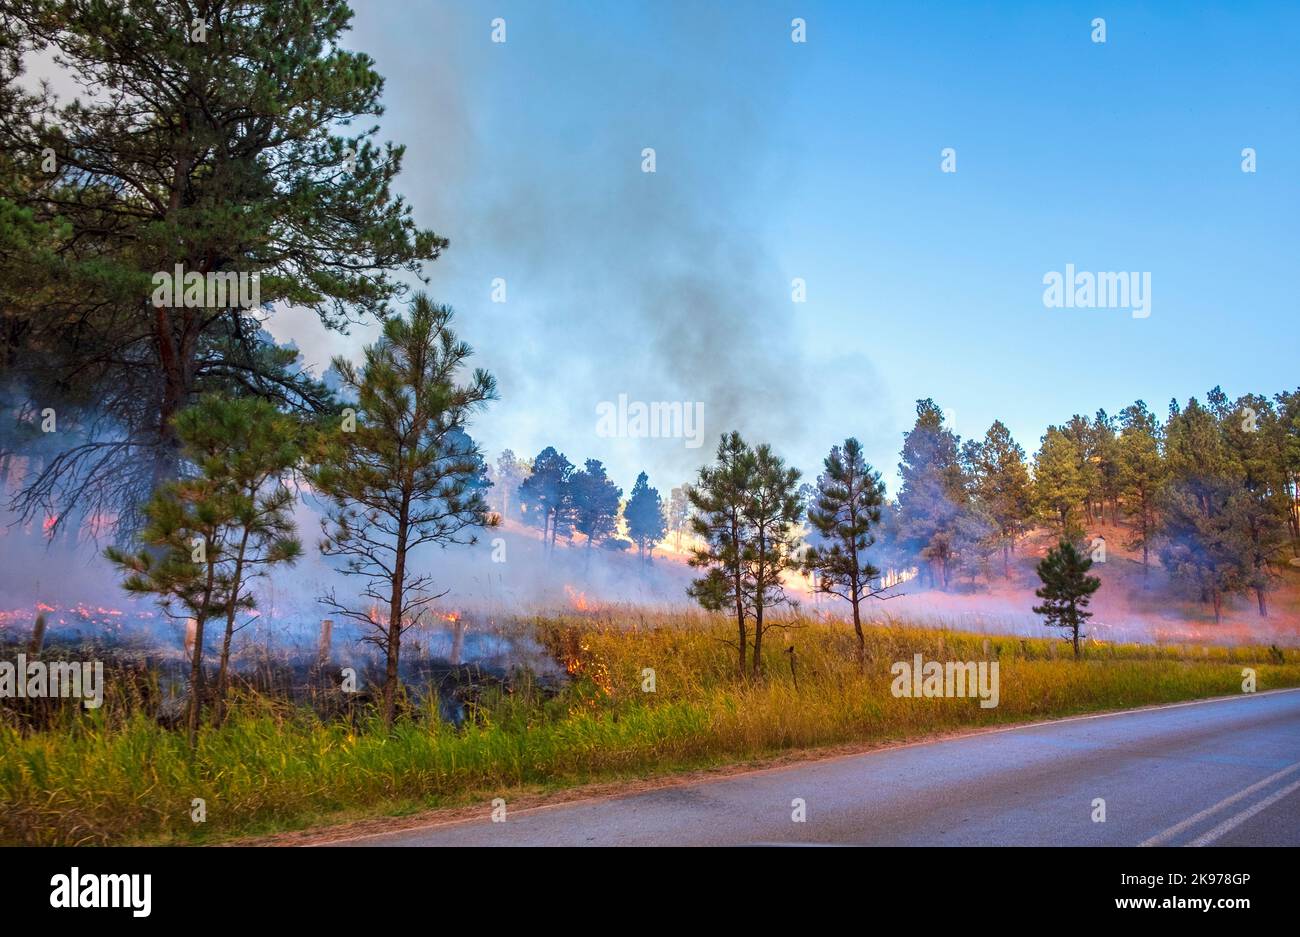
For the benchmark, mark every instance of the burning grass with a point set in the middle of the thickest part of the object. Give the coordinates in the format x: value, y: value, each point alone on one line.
x: 116, y: 775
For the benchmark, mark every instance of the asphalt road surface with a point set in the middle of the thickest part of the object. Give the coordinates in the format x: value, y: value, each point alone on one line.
x: 1221, y: 772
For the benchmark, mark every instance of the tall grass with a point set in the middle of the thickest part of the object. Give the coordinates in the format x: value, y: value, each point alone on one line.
x: 105, y: 777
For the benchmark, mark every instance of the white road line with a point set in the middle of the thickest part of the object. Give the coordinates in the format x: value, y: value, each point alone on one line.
x: 1196, y: 818
x: 1230, y: 824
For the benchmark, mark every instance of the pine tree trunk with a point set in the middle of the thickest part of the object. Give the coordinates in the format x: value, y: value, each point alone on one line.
x: 196, y: 684
x: 394, y: 647
x: 196, y: 656
x: 223, y: 669
x: 740, y: 627
x: 1263, y: 601
x: 740, y: 598
x: 760, y: 586
x: 176, y: 367
x: 857, y: 628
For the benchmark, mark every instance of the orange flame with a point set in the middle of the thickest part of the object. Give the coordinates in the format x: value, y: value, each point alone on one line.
x: 578, y: 599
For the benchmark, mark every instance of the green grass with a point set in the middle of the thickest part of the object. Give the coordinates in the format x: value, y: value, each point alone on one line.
x: 113, y: 775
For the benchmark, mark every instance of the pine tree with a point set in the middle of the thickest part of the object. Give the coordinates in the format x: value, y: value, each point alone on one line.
x: 1067, y: 589
x: 1105, y: 452
x: 508, y: 476
x: 545, y: 497
x: 1254, y: 534
x: 1287, y: 447
x: 595, y: 503
x: 185, y: 536
x: 1080, y: 432
x: 211, y: 533
x: 1195, y: 528
x: 933, y: 494
x: 679, y: 513
x: 406, y: 475
x: 844, y: 510
x: 644, y: 514
x: 1141, y: 474
x: 1059, y: 485
x: 1258, y: 510
x: 1197, y: 543
x: 771, y: 512
x: 1002, y: 487
x: 718, y: 499
x: 976, y: 539
x: 214, y: 141
x: 246, y: 449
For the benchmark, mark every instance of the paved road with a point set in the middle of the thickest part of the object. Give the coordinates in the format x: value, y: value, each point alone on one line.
x: 1222, y: 772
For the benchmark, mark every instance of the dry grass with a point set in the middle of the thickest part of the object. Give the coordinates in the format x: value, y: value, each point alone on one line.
x: 274, y: 767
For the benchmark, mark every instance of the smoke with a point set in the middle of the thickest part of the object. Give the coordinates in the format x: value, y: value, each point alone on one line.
x: 664, y: 285
x: 488, y: 588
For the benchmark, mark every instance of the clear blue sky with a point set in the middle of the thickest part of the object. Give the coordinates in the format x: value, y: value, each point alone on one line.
x: 822, y: 161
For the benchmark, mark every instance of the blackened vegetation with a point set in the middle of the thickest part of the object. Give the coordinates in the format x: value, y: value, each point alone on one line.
x: 133, y: 682
x: 142, y: 680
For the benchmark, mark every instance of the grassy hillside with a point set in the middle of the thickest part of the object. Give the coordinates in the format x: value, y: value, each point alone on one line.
x: 1133, y: 603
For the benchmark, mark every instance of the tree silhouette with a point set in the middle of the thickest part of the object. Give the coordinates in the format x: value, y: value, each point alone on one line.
x: 595, y: 502
x: 545, y: 497
x: 644, y: 514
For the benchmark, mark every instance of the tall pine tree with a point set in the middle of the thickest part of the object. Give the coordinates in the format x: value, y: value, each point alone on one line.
x: 1141, y: 475
x: 718, y: 501
x: 771, y: 512
x: 215, y: 142
x: 545, y: 497
x: 1196, y: 542
x: 644, y: 515
x: 844, y: 511
x: 933, y: 494
x: 1059, y: 484
x: 595, y: 503
x: 1001, y: 485
x: 407, y: 474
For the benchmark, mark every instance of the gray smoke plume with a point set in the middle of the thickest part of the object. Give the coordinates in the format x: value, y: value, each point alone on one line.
x: 662, y: 286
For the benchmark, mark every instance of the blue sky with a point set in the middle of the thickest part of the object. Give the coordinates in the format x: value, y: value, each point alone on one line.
x: 821, y: 160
